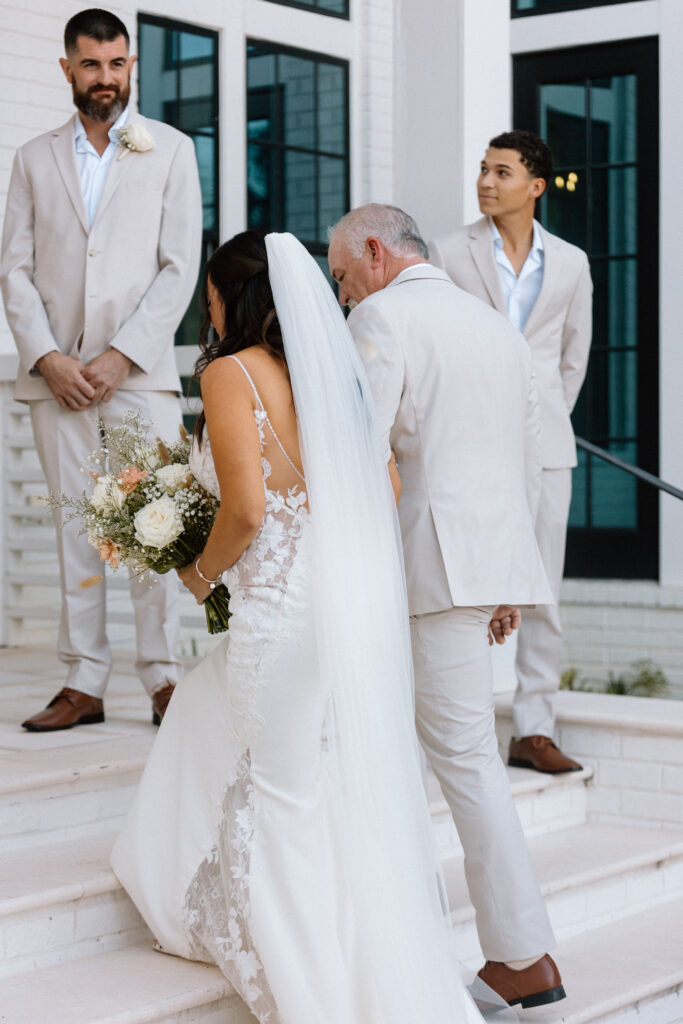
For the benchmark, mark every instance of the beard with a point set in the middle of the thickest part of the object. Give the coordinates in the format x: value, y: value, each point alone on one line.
x: 107, y: 111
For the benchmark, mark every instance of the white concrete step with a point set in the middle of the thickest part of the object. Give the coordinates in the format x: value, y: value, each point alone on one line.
x: 62, y: 902
x: 129, y: 986
x: 590, y: 875
x: 622, y: 975
x: 613, y: 975
x: 61, y: 786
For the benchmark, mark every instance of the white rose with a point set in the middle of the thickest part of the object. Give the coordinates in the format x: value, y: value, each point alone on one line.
x: 158, y: 524
x: 136, y: 137
x: 107, y: 493
x: 174, y: 477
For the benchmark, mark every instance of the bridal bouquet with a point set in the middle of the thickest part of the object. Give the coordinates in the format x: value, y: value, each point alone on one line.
x: 146, y: 510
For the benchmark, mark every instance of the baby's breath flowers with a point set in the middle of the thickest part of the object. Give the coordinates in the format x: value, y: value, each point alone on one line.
x: 146, y: 510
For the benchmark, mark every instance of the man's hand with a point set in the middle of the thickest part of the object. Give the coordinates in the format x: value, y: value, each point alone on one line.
x: 107, y: 373
x: 504, y: 620
x: 66, y: 379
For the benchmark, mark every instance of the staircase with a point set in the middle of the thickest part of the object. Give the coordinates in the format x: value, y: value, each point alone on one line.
x: 75, y: 951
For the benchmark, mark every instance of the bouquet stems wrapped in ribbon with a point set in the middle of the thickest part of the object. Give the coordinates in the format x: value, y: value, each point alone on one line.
x: 146, y: 510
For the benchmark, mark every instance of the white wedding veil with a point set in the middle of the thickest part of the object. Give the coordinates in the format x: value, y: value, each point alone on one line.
x: 390, y: 865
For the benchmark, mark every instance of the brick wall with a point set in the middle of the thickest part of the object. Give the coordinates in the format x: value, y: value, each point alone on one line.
x: 609, y: 624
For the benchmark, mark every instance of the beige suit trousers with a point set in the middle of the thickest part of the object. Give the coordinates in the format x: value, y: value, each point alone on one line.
x: 539, y: 646
x: 64, y: 439
x: 456, y: 725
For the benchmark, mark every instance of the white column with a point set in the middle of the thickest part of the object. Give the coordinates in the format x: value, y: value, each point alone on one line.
x: 671, y: 303
x: 452, y: 93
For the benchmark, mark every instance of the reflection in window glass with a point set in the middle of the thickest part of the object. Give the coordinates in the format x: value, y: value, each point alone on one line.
x: 551, y: 6
x: 340, y: 8
x: 178, y: 84
x: 297, y: 142
x: 592, y: 201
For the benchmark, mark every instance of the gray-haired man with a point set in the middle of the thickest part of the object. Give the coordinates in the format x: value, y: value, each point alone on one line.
x: 456, y: 403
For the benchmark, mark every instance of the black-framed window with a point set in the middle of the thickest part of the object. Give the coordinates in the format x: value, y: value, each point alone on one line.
x: 178, y: 84
x: 297, y: 142
x: 597, y: 107
x: 523, y: 8
x: 335, y: 8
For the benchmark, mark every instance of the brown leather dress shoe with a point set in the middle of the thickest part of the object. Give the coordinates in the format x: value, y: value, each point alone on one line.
x: 534, y: 986
x: 68, y: 708
x: 541, y: 754
x: 160, y: 699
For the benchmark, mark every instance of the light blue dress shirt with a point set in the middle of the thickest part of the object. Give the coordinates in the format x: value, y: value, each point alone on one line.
x: 520, y: 292
x: 93, y: 168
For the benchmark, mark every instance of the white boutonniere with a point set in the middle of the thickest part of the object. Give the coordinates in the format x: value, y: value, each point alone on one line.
x: 134, y: 138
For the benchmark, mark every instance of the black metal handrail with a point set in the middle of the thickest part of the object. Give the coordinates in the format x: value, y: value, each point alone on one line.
x: 642, y: 474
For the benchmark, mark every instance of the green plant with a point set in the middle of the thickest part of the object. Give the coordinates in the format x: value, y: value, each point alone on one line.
x: 644, y: 679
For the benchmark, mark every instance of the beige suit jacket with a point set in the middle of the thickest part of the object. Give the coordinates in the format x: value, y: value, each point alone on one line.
x: 455, y: 398
x: 558, y: 329
x: 123, y: 282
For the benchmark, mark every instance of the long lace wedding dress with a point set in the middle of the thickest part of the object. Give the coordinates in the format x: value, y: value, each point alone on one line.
x: 280, y: 829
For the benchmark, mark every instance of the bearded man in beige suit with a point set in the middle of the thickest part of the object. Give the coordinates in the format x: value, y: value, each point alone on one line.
x: 543, y: 286
x: 100, y: 255
x: 456, y: 404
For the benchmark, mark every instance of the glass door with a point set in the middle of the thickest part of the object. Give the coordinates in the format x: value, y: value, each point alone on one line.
x: 597, y: 108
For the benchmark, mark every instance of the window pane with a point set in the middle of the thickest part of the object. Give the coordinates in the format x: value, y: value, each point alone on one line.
x: 331, y: 194
x: 564, y: 206
x: 177, y: 76
x: 297, y: 142
x: 615, y: 219
x: 205, y: 148
x: 613, y: 491
x: 578, y: 511
x: 331, y: 109
x: 194, y: 47
x: 340, y: 7
x: 297, y: 81
x: 563, y: 123
x: 300, y: 205
x: 615, y: 302
x: 548, y: 6
x: 613, y: 106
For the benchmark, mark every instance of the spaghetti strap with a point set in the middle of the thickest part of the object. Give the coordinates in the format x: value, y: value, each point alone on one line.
x: 248, y: 376
x: 263, y: 410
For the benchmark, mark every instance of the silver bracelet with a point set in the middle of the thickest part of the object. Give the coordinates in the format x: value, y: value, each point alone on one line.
x: 212, y: 583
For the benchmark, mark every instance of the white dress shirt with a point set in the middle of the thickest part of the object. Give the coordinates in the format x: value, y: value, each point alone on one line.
x: 92, y: 168
x: 520, y: 291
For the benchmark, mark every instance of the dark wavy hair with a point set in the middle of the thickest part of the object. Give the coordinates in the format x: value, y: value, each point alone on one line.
x: 533, y: 152
x: 239, y: 272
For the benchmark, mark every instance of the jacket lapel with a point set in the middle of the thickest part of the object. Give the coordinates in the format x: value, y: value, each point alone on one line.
x: 64, y: 151
x: 551, y: 279
x: 481, y: 248
x: 118, y: 168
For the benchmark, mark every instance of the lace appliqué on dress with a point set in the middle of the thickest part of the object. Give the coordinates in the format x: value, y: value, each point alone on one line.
x: 218, y: 900
x: 268, y: 596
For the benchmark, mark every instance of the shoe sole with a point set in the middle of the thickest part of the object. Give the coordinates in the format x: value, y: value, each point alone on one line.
x: 513, y: 762
x: 551, y: 995
x: 86, y: 720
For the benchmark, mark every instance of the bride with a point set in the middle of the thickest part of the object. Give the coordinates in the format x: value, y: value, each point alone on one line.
x: 281, y: 829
